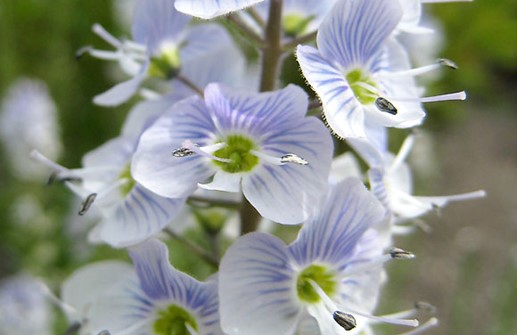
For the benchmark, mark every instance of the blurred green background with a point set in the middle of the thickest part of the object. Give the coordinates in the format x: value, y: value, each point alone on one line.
x: 466, y: 265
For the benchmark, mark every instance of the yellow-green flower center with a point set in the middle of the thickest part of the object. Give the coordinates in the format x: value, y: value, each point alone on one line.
x: 237, y: 151
x: 358, y: 82
x: 173, y: 321
x: 320, y: 275
x: 126, y: 174
x: 295, y: 24
x: 166, y: 65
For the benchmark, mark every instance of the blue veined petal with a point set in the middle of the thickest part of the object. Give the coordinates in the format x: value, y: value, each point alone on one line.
x: 156, y: 22
x: 256, y: 287
x: 161, y: 282
x: 355, y: 31
x: 207, y: 9
x: 290, y: 193
x: 142, y: 214
x: 107, y: 295
x: 332, y: 235
x: 343, y: 112
x: 153, y: 164
x: 211, y: 56
x: 120, y: 93
x: 256, y: 114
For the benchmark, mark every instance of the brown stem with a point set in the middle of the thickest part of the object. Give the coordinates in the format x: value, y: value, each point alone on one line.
x: 272, y: 48
x: 252, y: 12
x: 250, y: 218
x: 187, y: 82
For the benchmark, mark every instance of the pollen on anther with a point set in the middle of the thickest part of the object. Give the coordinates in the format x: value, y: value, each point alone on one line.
x: 292, y: 158
x: 345, y: 320
x: 182, y: 152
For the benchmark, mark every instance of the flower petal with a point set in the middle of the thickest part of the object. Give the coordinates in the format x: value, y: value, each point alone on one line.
x: 355, y: 31
x: 156, y: 22
x: 120, y: 93
x: 211, y: 56
x: 332, y: 235
x: 289, y: 193
x: 223, y: 181
x: 343, y: 112
x: 256, y: 287
x: 153, y: 164
x: 256, y: 114
x: 207, y: 9
x: 141, y: 215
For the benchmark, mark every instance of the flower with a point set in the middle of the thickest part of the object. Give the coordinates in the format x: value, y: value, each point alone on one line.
x: 23, y: 307
x: 208, y: 9
x: 154, y: 298
x: 165, y: 47
x: 361, y: 74
x: 391, y: 181
x: 28, y: 120
x: 335, y: 265
x: 129, y: 212
x: 260, y: 141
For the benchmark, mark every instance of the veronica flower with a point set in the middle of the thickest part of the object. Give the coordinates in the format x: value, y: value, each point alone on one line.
x: 208, y: 9
x: 129, y: 212
x: 361, y: 75
x: 165, y: 47
x: 391, y: 181
x: 151, y: 299
x: 333, y: 271
x: 28, y: 120
x: 24, y: 308
x: 261, y: 142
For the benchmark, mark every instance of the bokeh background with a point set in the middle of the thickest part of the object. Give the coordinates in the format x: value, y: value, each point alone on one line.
x: 466, y: 261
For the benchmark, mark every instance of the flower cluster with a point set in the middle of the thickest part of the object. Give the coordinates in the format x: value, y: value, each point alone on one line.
x: 205, y: 137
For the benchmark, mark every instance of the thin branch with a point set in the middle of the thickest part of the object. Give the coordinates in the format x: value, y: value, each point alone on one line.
x: 245, y: 29
x: 200, y: 201
x: 187, y: 82
x: 252, y: 12
x: 209, y: 258
x: 288, y: 46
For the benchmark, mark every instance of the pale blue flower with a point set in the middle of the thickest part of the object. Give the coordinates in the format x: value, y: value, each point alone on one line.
x: 152, y: 299
x: 129, y: 213
x: 261, y: 142
x: 335, y: 264
x: 165, y: 46
x: 208, y: 9
x: 361, y: 74
x: 28, y: 120
x: 24, y: 308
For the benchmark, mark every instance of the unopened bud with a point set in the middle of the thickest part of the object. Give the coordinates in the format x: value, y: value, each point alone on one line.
x: 345, y: 320
x: 182, y: 152
x: 397, y: 253
x: 384, y: 105
x: 87, y: 203
x: 448, y: 63
x: 292, y: 158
